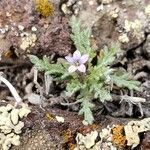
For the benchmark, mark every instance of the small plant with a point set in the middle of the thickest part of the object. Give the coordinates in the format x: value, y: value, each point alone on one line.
x: 44, y: 7
x: 86, y: 79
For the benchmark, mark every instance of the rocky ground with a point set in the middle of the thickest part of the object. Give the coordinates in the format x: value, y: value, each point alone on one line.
x: 24, y: 30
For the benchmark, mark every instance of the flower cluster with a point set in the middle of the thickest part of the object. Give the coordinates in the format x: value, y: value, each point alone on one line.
x: 77, y: 62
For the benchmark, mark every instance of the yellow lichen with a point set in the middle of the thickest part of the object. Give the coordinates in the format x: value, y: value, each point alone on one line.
x: 68, y: 139
x: 50, y: 117
x: 44, y: 7
x: 67, y: 134
x: 118, y: 139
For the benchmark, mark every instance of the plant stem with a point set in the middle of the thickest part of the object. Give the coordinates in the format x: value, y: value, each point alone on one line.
x: 12, y: 89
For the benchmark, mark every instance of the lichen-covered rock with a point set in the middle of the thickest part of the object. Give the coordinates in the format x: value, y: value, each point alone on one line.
x: 132, y: 130
x: 10, y: 124
x: 26, y: 31
x: 145, y: 144
x: 106, y: 139
x: 95, y: 141
x: 112, y: 20
x: 8, y: 140
x: 86, y: 141
x: 115, y: 137
x: 24, y: 111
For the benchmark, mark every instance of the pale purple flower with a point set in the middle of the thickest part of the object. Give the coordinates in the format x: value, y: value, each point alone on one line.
x: 77, y: 62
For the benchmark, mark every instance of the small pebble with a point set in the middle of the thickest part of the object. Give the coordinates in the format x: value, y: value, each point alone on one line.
x: 34, y: 29
x: 80, y: 3
x: 24, y: 34
x: 100, y: 7
x: 12, y: 28
x: 60, y: 119
x: 2, y: 31
x: 8, y: 14
x: 91, y: 3
x: 6, y: 27
x: 20, y: 27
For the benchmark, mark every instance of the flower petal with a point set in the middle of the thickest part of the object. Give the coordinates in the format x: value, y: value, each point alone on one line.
x: 72, y: 69
x: 76, y: 55
x: 84, y: 58
x: 81, y: 68
x: 69, y: 59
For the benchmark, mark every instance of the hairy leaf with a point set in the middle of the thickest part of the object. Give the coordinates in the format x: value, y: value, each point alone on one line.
x: 124, y: 81
x: 42, y: 65
x: 85, y: 110
x: 81, y: 37
x: 107, y: 56
x: 73, y: 87
x: 45, y: 65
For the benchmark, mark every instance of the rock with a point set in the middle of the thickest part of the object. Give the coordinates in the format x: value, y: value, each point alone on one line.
x: 145, y: 144
x: 54, y: 38
x: 104, y: 31
x: 146, y: 48
x: 20, y: 27
x: 5, y: 46
x: 34, y: 99
x: 34, y: 29
x: 112, y: 20
x: 60, y: 119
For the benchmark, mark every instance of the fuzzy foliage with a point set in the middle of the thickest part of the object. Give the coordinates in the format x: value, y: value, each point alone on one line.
x: 44, y: 7
x: 97, y: 82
